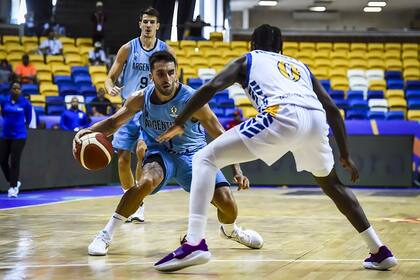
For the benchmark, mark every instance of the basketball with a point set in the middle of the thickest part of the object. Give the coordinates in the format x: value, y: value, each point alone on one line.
x: 94, y: 152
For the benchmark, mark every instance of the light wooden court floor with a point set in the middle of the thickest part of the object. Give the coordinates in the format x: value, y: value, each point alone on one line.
x: 305, y: 238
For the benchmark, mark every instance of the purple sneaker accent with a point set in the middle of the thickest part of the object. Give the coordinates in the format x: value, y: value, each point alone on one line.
x: 381, y: 260
x: 184, y: 256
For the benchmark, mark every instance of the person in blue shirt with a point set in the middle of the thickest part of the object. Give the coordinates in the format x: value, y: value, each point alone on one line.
x: 74, y: 118
x: 17, y: 114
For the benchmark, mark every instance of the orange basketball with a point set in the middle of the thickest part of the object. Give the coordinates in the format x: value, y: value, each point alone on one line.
x: 94, y: 152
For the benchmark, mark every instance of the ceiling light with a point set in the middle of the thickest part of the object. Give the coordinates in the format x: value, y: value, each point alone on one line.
x: 267, y: 3
x: 317, y: 9
x: 377, y: 4
x: 372, y: 9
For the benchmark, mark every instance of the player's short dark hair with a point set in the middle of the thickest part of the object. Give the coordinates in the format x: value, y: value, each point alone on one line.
x: 268, y: 38
x: 150, y: 11
x: 161, y: 56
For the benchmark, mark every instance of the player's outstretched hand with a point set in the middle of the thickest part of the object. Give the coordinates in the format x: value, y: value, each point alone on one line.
x: 242, y: 181
x: 170, y: 133
x: 349, y: 165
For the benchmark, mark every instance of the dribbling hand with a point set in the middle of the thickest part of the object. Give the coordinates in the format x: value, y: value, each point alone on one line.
x: 170, y: 133
x: 80, y: 134
x: 115, y: 91
x: 350, y: 166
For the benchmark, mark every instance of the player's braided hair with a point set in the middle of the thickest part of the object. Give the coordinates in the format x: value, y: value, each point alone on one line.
x: 267, y: 38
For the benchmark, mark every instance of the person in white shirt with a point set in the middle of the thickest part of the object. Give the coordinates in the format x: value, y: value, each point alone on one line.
x: 97, y: 55
x: 51, y: 46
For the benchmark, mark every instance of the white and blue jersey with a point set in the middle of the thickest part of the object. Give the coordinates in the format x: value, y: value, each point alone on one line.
x: 176, y: 154
x: 135, y: 76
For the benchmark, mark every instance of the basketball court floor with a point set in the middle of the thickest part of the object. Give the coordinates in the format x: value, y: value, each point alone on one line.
x: 305, y: 236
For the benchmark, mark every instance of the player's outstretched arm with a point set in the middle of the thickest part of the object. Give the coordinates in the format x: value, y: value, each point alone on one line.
x: 116, y: 70
x: 338, y: 127
x: 108, y: 126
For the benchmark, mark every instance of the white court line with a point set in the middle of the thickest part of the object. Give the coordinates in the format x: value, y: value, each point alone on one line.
x: 20, y: 265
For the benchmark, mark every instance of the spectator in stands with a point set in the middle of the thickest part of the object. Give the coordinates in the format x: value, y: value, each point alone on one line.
x: 6, y: 72
x: 97, y: 55
x: 101, y: 106
x: 17, y: 113
x: 51, y: 46
x: 237, y: 119
x: 98, y: 19
x: 53, y: 25
x: 25, y: 71
x: 74, y: 118
x: 29, y: 28
x: 194, y: 29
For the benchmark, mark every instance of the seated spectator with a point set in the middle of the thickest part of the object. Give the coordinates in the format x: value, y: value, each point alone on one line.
x: 51, y: 46
x: 194, y: 29
x: 97, y: 55
x: 6, y: 72
x: 54, y: 26
x: 25, y: 71
x: 73, y: 118
x: 101, y: 106
x: 237, y: 119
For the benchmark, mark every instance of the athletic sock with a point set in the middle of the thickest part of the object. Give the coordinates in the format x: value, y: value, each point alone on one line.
x: 372, y: 240
x: 196, y: 228
x: 115, y: 221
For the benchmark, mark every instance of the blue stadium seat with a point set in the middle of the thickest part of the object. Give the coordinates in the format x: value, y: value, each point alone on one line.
x: 412, y: 93
x: 212, y: 103
x: 76, y: 70
x: 82, y: 80
x: 68, y: 89
x: 226, y: 103
x: 222, y: 94
x: 219, y: 112
x: 356, y: 114
x: 30, y: 89
x: 394, y: 115
x: 4, y: 88
x: 39, y: 110
x: 63, y: 80
x: 50, y: 120
x: 358, y: 104
x: 341, y: 103
x: 413, y: 104
x: 375, y: 94
x: 412, y: 84
x: 395, y: 84
x: 337, y: 94
x: 326, y: 84
x: 87, y: 90
x: 376, y: 115
x: 54, y: 105
x: 229, y: 112
x: 354, y: 94
x: 393, y: 75
x: 195, y: 82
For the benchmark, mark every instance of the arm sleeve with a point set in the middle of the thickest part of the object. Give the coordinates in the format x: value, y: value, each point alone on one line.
x: 63, y: 121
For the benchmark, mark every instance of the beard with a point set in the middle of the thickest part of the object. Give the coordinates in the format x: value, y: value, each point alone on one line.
x: 74, y: 107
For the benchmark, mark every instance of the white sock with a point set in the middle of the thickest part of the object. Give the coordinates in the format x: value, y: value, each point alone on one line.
x: 229, y: 228
x: 372, y: 240
x: 196, y: 228
x: 115, y: 221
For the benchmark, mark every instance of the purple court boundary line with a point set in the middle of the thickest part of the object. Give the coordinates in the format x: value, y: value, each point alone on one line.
x: 60, y: 195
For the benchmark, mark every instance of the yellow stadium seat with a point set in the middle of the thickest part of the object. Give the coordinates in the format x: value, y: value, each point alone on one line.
x: 341, y: 47
x: 321, y: 73
x: 179, y: 53
x: 183, y: 61
x: 36, y: 58
x: 338, y: 54
x: 211, y: 53
x: 67, y: 41
x: 38, y: 100
x: 358, y: 47
x: 70, y: 49
x: 30, y: 48
x: 393, y: 64
x: 242, y: 101
x: 44, y: 77
x: 411, y: 74
x: 98, y: 78
x: 55, y: 58
x: 14, y: 48
x: 173, y: 44
x: 205, y: 45
x: 291, y: 46
x: 338, y: 73
x: 84, y: 50
x: 249, y: 111
x: 199, y: 62
x: 409, y: 46
x: 74, y: 60
x: 60, y: 70
x: 188, y: 44
x: 239, y: 45
x: 377, y: 85
x: 375, y: 47
x: 375, y: 54
x: 413, y: 115
x: 324, y: 46
x: 321, y: 54
x: 217, y: 63
x: 307, y: 46
x: 376, y: 64
x: 216, y: 36
x: 117, y: 100
x: 411, y: 63
x: 221, y: 46
x: 304, y: 55
x: 392, y: 47
x: 357, y: 64
x: 43, y: 68
x: 10, y: 39
x: 397, y: 104
x: 357, y: 55
x: 390, y: 93
x: 84, y: 42
x: 47, y: 89
x: 14, y: 58
x: 392, y: 54
x: 410, y: 54
x: 29, y: 39
x: 309, y: 62
x: 97, y: 69
x: 322, y: 62
x: 190, y: 54
x: 229, y: 55
x: 291, y: 53
x: 339, y: 84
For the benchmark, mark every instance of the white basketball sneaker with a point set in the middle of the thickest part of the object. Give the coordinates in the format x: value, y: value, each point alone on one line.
x: 247, y: 237
x: 100, y: 244
x: 13, y: 192
x: 138, y: 217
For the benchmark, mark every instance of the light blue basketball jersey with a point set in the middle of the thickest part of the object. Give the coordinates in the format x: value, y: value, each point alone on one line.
x: 137, y: 69
x: 157, y: 118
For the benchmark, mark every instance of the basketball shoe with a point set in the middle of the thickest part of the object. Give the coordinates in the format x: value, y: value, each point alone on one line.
x: 247, y: 237
x: 14, y: 191
x: 382, y: 260
x: 138, y: 217
x: 100, y: 244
